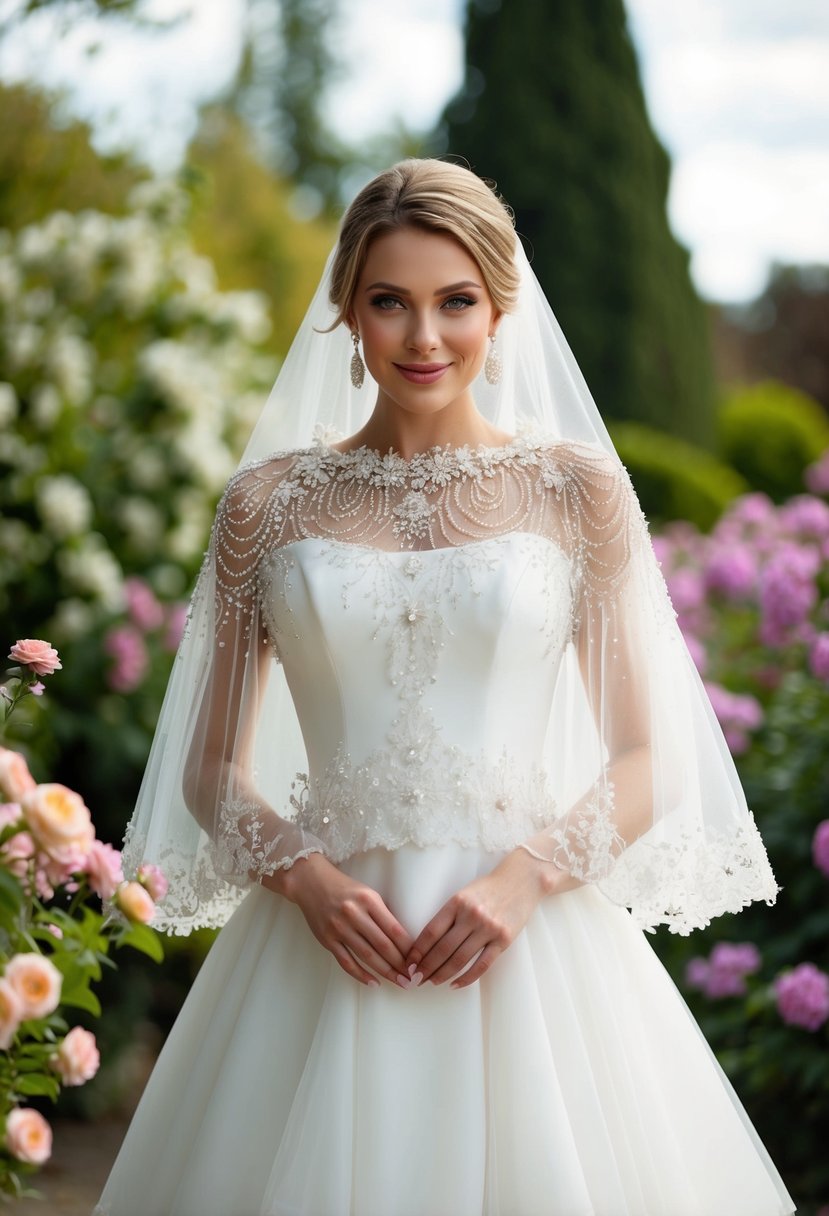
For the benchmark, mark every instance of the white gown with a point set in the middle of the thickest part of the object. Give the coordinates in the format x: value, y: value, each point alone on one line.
x: 570, y: 1081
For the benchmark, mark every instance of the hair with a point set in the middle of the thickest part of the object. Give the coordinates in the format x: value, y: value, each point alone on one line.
x: 435, y: 196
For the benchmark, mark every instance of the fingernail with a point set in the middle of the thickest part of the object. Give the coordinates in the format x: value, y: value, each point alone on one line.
x: 412, y: 968
x: 374, y: 983
x: 416, y: 979
x: 403, y: 981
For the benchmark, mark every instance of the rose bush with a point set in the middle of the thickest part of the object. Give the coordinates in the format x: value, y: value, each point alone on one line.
x: 54, y: 934
x: 128, y: 384
x: 752, y: 599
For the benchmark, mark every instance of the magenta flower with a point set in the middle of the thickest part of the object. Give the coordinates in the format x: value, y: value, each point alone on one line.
x: 802, y: 996
x: 817, y: 475
x: 819, y: 657
x: 787, y: 592
x: 731, y: 571
x: 806, y: 517
x: 176, y: 620
x: 737, y: 714
x: 723, y: 972
x: 127, y: 647
x: 145, y: 611
x: 756, y: 510
x: 820, y: 847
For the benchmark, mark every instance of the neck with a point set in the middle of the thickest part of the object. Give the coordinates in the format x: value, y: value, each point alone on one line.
x: 456, y: 425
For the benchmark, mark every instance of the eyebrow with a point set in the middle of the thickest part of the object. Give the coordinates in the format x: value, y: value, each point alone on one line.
x: 442, y: 291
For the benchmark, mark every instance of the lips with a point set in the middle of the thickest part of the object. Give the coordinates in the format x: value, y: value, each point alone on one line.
x: 422, y: 373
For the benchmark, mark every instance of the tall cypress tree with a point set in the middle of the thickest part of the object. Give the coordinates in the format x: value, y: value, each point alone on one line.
x: 552, y: 108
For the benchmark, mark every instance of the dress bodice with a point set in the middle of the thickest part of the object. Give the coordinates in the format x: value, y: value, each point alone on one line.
x: 422, y: 682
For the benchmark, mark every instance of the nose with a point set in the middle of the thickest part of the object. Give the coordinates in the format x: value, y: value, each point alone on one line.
x: 422, y: 336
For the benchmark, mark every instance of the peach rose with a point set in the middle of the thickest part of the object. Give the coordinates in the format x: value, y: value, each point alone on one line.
x: 77, y: 1058
x: 135, y: 902
x: 28, y: 1135
x: 59, y: 820
x: 11, y: 1014
x: 37, y: 983
x: 37, y: 654
x: 15, y: 778
x: 103, y: 869
x: 154, y: 879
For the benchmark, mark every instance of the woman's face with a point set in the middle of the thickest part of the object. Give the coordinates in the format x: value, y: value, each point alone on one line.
x: 424, y: 315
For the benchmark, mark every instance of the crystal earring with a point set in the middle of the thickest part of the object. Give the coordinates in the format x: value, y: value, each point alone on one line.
x: 358, y: 368
x: 492, y: 364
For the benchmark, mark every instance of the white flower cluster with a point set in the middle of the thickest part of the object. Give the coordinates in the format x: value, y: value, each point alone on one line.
x: 128, y: 382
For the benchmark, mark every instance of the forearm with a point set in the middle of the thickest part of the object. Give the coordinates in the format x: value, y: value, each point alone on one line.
x: 616, y: 810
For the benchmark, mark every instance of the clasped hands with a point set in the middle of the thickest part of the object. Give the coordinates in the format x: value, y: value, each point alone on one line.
x: 478, y: 923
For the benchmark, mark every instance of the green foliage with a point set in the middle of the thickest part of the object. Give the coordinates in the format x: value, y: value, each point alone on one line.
x: 244, y: 222
x: 55, y: 940
x: 45, y: 166
x: 673, y: 478
x: 128, y: 384
x: 553, y: 110
x: 770, y: 432
x: 780, y: 1070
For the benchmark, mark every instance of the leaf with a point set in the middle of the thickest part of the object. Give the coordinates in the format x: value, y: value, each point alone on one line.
x: 142, y: 938
x: 82, y: 998
x: 11, y: 892
x: 38, y: 1085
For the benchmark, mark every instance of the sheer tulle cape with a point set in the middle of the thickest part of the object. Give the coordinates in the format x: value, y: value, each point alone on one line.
x: 649, y: 804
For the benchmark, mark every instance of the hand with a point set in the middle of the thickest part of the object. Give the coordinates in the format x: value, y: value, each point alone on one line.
x: 346, y: 917
x: 484, y: 918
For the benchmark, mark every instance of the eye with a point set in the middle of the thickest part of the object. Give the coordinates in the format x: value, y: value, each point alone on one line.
x: 385, y: 303
x: 459, y: 303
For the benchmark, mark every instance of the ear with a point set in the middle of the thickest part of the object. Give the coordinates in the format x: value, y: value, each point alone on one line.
x: 496, y: 321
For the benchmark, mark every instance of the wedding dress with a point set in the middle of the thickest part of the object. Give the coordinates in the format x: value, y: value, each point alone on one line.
x: 437, y: 621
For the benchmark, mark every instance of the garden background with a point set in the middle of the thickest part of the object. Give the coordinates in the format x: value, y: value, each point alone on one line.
x: 142, y: 319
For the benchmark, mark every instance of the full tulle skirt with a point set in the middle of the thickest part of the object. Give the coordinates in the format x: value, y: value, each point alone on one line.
x: 571, y: 1081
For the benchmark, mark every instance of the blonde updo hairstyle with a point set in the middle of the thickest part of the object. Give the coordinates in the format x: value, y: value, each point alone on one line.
x: 437, y: 196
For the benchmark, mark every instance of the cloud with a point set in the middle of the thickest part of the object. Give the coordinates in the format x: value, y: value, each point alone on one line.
x: 741, y: 207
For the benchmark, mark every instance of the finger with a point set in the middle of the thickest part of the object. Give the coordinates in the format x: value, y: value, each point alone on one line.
x: 382, y: 935
x: 351, y: 967
x: 462, y: 957
x: 444, y: 950
x: 393, y: 930
x: 487, y: 957
x: 437, y: 927
x: 364, y: 952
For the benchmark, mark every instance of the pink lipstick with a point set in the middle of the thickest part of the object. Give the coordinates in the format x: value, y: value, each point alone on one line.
x: 422, y: 373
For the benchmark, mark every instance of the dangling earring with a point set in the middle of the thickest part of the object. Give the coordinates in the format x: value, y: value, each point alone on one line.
x: 358, y: 368
x: 492, y: 364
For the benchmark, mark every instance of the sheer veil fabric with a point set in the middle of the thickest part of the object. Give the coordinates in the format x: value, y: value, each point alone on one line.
x: 636, y: 792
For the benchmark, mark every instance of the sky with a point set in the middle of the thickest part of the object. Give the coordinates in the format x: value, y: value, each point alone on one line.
x: 738, y: 91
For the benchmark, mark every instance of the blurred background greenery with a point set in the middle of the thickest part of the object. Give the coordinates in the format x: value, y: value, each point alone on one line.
x: 142, y: 320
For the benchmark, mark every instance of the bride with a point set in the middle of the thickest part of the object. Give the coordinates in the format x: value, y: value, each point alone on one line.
x: 434, y: 749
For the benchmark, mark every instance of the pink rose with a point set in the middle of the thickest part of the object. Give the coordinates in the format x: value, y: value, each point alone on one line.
x: 37, y: 983
x: 37, y: 654
x: 103, y: 869
x: 10, y: 813
x: 15, y: 778
x: 17, y: 852
x: 59, y: 820
x: 77, y: 1059
x: 28, y: 1135
x: 153, y: 878
x: 144, y: 609
x: 11, y: 1014
x: 135, y: 902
